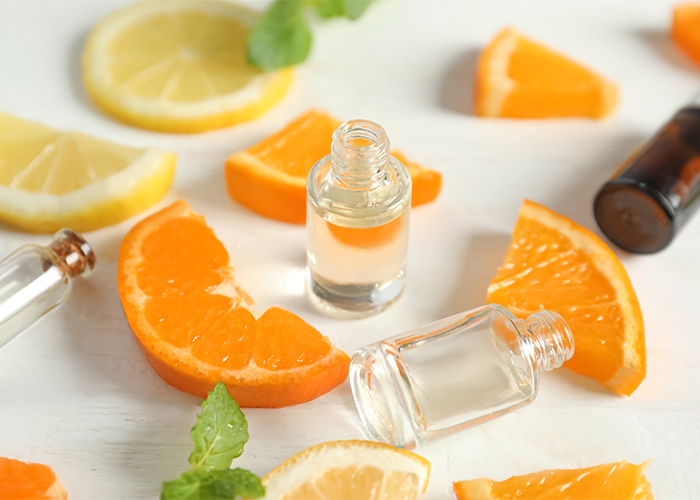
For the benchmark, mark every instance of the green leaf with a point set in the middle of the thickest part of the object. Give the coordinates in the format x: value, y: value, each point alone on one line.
x: 219, y: 435
x: 220, y: 432
x: 184, y: 487
x: 330, y: 8
x: 224, y: 484
x: 355, y: 8
x: 352, y: 9
x: 240, y: 482
x: 281, y: 37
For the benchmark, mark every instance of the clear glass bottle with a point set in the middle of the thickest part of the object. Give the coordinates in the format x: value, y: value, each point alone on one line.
x: 456, y: 373
x: 35, y: 279
x: 358, y: 202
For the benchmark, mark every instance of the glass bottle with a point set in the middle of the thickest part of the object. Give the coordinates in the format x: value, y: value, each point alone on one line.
x: 650, y: 199
x: 358, y: 202
x: 36, y: 279
x: 455, y: 373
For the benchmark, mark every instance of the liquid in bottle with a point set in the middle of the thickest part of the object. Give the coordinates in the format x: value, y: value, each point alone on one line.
x: 35, y: 279
x: 456, y: 373
x: 648, y: 201
x: 358, y: 206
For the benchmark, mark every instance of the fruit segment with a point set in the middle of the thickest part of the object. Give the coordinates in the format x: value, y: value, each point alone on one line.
x: 520, y: 78
x: 27, y: 481
x: 358, y: 470
x: 196, y: 325
x: 51, y: 179
x: 178, y: 66
x: 557, y: 265
x: 269, y: 178
x: 614, y: 481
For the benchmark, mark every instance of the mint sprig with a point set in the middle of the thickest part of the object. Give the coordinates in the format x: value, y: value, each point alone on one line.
x: 216, y: 484
x: 219, y: 435
x: 282, y: 37
x: 220, y: 432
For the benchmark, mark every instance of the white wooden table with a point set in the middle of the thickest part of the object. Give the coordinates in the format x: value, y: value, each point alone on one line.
x: 76, y: 393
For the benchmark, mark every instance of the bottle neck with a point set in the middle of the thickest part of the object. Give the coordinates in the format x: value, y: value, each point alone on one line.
x: 72, y: 253
x: 548, y: 340
x: 359, y: 155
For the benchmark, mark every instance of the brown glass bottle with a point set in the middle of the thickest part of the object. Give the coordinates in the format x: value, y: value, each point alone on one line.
x: 650, y: 199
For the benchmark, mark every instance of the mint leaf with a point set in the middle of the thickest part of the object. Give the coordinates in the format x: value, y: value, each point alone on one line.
x: 224, y: 484
x: 352, y: 9
x: 280, y: 38
x: 330, y: 8
x: 220, y: 432
x: 184, y: 487
x: 230, y: 483
x: 219, y: 435
x: 355, y: 8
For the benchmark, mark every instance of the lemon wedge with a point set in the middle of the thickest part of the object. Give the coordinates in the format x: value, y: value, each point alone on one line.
x: 349, y: 469
x: 51, y: 179
x: 178, y: 66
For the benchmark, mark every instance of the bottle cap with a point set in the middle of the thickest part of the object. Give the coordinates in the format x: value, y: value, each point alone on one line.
x: 635, y: 220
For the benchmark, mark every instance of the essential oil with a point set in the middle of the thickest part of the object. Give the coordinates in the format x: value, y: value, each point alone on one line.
x: 649, y: 200
x: 359, y: 199
x: 34, y: 280
x: 456, y: 373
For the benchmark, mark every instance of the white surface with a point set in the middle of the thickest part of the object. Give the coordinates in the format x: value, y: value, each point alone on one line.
x: 76, y: 393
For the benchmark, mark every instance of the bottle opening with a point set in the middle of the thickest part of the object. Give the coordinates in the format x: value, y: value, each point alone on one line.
x: 361, y: 136
x: 359, y: 153
x: 550, y: 340
x: 73, y: 252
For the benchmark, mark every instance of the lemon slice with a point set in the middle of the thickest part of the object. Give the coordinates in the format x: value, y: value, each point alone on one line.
x: 178, y: 66
x: 51, y: 179
x: 349, y: 469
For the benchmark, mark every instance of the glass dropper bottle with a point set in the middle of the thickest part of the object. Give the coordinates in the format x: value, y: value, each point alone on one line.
x: 35, y: 279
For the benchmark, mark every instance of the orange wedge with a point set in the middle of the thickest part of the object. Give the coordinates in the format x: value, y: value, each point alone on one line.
x: 196, y: 326
x: 615, y: 481
x: 269, y: 178
x: 555, y: 264
x: 344, y: 470
x: 426, y: 182
x: 520, y: 78
x: 26, y: 481
x: 685, y: 29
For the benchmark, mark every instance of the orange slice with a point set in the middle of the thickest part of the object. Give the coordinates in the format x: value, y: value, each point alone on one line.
x: 357, y: 470
x: 196, y: 326
x: 269, y: 178
x: 685, y: 29
x: 26, y: 481
x: 615, y: 481
x: 520, y: 78
x: 179, y: 66
x: 555, y: 264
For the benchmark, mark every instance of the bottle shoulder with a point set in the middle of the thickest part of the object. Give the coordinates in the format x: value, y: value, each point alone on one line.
x: 28, y: 254
x: 393, y: 193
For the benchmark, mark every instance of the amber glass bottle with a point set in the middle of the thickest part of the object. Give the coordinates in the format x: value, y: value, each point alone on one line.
x: 649, y: 200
